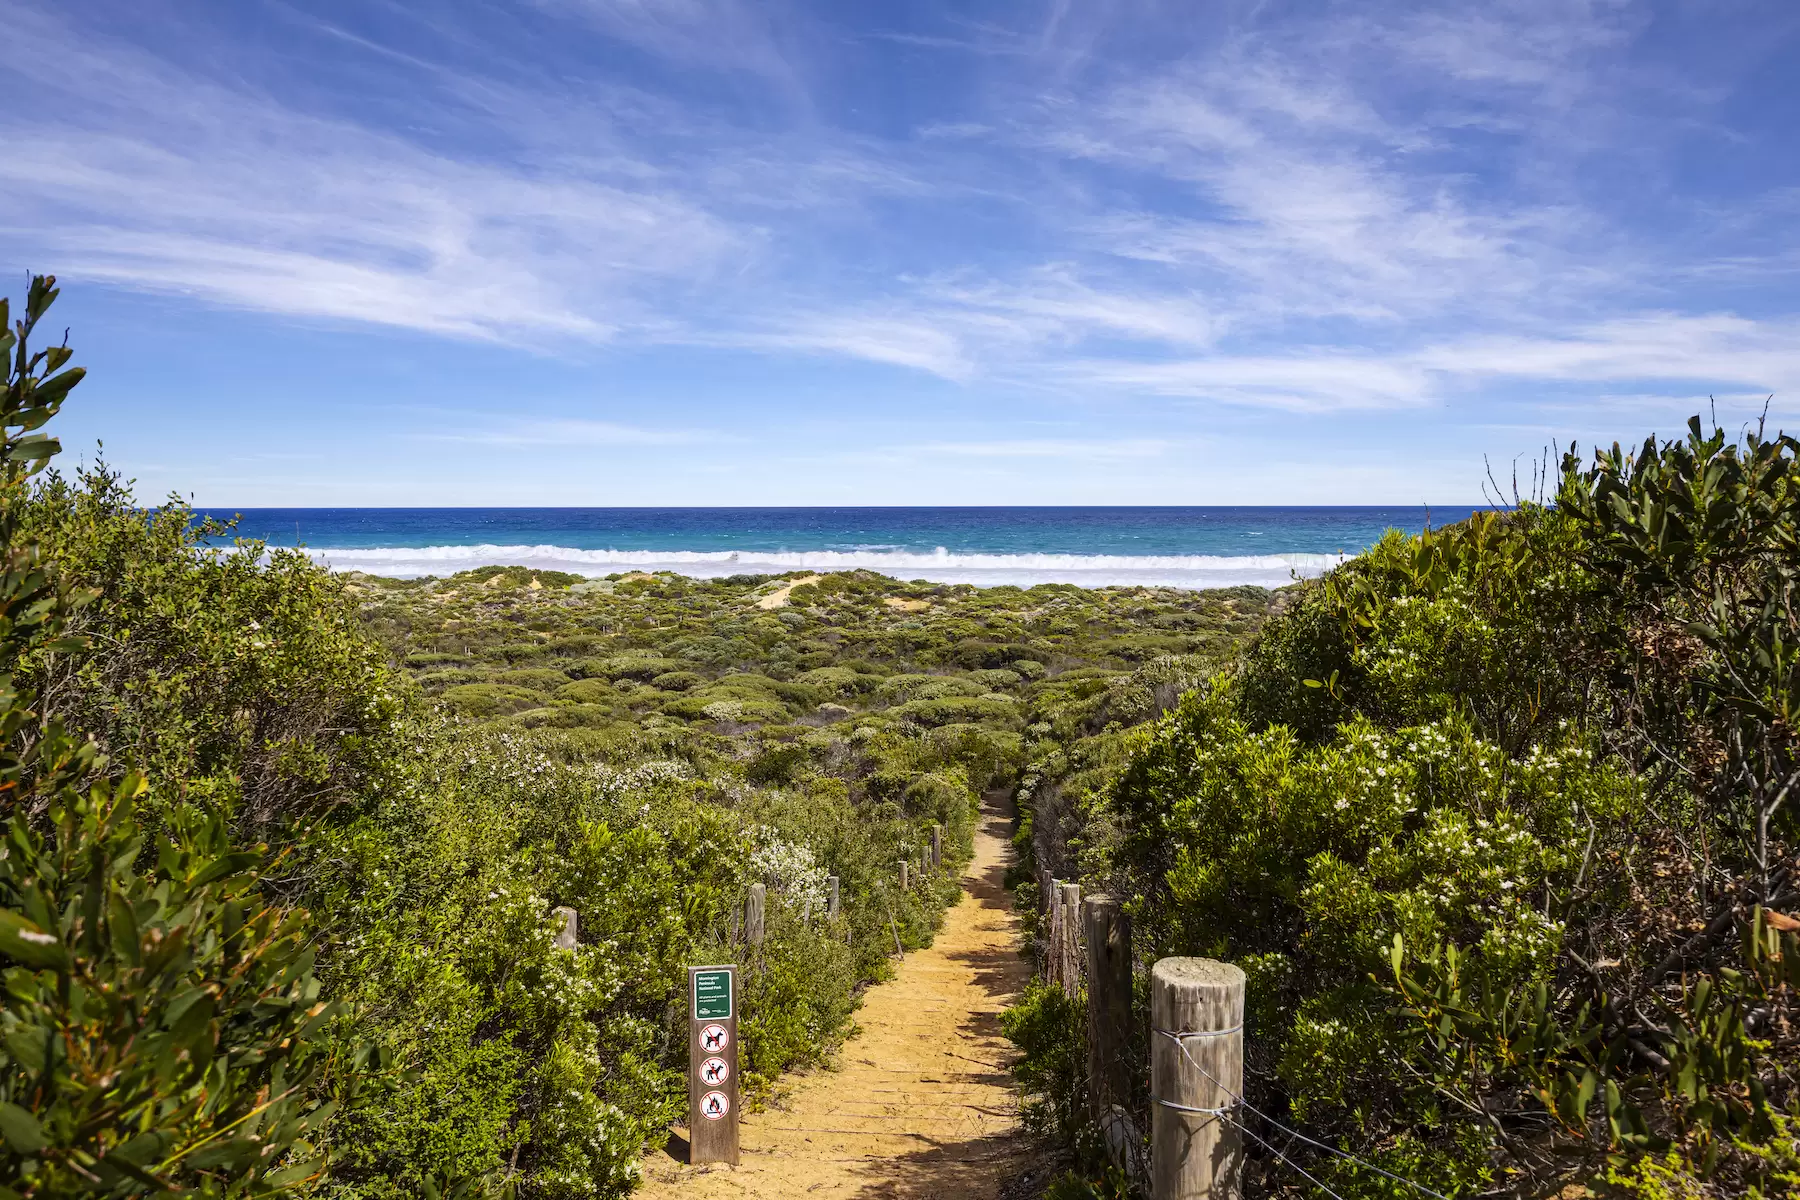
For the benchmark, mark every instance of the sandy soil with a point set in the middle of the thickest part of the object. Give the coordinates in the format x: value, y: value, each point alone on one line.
x: 924, y: 1105
x: 779, y: 596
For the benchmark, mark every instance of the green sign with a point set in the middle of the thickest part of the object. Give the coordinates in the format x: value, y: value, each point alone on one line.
x: 712, y: 994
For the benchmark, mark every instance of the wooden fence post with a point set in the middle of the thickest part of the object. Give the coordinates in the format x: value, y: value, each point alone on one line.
x: 831, y: 897
x: 754, y: 905
x: 903, y: 883
x: 1196, y: 1079
x: 566, y: 929
x: 937, y: 846
x: 1053, y: 943
x: 1108, y: 931
x: 1071, y: 937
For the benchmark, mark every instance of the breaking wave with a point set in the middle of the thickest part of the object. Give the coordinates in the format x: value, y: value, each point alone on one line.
x: 939, y: 566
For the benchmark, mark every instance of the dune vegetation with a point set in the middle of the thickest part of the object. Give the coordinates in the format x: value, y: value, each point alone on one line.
x: 284, y: 846
x: 1499, y: 820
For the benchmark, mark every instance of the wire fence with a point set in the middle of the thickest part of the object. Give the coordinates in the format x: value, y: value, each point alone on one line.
x: 1063, y: 961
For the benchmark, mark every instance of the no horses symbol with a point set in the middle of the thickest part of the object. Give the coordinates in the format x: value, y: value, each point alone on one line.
x: 714, y: 1072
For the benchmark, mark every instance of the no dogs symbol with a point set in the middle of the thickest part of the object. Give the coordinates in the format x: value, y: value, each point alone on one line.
x: 713, y: 1038
x: 714, y: 1106
x: 714, y: 1072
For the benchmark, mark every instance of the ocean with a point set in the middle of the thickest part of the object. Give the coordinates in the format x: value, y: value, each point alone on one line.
x: 1179, y: 547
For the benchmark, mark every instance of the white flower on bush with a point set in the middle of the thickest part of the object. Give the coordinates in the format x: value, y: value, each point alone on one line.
x: 725, y: 710
x: 613, y: 783
x: 789, y: 870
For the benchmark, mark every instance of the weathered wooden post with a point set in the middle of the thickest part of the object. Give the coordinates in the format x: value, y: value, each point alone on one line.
x: 1071, y: 932
x: 1196, y: 1079
x: 566, y: 928
x: 903, y: 882
x: 1053, y: 943
x: 712, y: 1065
x: 1108, y: 931
x: 754, y: 905
x: 937, y: 846
x: 831, y: 897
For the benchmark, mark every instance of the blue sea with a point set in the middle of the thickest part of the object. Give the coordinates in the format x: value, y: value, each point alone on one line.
x: 1180, y: 547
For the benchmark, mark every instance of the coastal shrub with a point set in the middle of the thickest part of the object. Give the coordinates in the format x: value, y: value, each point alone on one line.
x: 842, y: 682
x: 243, y: 672
x: 634, y: 666
x: 927, y: 687
x: 157, y: 1010
x: 587, y: 691
x: 1495, y: 820
x: 491, y: 699
x: 959, y: 710
x: 536, y: 679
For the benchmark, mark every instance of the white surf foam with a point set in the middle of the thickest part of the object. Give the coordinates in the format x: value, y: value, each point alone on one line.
x: 940, y: 566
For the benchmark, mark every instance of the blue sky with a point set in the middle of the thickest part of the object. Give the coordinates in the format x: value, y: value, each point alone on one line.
x: 771, y: 252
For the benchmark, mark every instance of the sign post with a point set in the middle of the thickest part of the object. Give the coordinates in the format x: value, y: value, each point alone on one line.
x: 712, y: 1065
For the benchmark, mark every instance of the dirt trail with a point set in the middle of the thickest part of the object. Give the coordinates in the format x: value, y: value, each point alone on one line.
x: 924, y: 1105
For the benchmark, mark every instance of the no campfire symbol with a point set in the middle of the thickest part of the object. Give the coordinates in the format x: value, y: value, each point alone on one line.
x: 714, y: 1072
x: 713, y: 1038
x: 714, y: 1106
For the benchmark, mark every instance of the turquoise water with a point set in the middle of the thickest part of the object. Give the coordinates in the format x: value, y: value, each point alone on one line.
x: 1184, y: 547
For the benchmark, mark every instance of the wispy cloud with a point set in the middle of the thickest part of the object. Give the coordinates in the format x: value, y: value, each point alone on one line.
x: 1381, y: 209
x: 568, y: 432
x: 1064, y: 448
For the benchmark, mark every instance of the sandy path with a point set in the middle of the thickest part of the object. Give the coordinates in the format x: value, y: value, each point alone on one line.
x: 924, y: 1105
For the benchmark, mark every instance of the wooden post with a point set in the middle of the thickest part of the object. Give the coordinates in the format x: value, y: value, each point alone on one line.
x: 1071, y: 932
x: 712, y: 1065
x: 754, y: 905
x: 1196, y: 1079
x: 937, y: 846
x: 566, y: 930
x: 831, y: 897
x: 903, y: 882
x: 1053, y: 943
x: 1108, y: 931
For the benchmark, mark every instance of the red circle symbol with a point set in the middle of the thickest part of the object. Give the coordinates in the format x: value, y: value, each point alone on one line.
x: 714, y: 1106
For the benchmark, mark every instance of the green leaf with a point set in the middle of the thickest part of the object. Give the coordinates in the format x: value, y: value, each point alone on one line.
x: 30, y: 1046
x: 29, y: 944
x: 34, y: 448
x: 226, y: 864
x: 124, y: 1166
x: 20, y: 1129
x: 296, y: 1174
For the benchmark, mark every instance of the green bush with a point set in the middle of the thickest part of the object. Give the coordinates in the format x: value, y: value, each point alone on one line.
x: 162, y: 1028
x: 588, y: 691
x: 491, y: 699
x: 955, y: 710
x: 536, y: 679
x: 1491, y: 819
